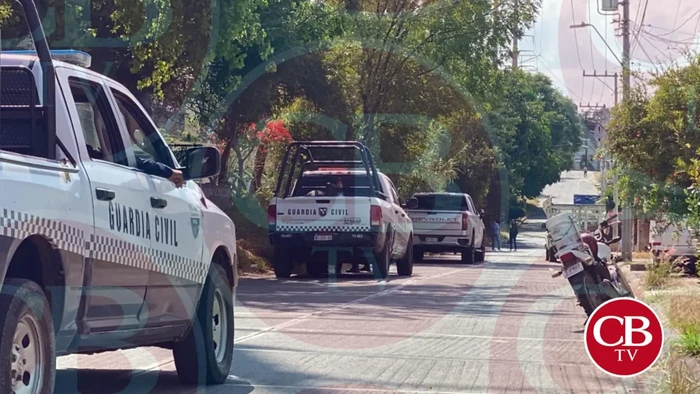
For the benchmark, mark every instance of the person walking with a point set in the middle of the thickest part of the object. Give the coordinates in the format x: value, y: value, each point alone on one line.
x: 496, y: 237
x: 513, y: 233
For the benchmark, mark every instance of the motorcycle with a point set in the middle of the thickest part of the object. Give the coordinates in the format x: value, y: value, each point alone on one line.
x: 587, y: 262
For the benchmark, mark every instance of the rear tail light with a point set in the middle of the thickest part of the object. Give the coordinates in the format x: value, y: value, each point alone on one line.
x: 465, y: 221
x: 567, y: 257
x: 656, y: 243
x: 375, y: 215
x: 272, y: 215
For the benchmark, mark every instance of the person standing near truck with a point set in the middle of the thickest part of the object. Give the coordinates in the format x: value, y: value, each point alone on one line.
x: 513, y: 234
x: 496, y: 235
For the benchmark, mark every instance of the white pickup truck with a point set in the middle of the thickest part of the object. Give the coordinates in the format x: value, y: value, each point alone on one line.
x: 337, y: 210
x: 97, y: 254
x: 669, y: 241
x: 448, y: 222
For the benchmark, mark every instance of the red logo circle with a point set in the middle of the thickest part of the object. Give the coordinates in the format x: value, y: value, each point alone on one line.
x: 624, y: 337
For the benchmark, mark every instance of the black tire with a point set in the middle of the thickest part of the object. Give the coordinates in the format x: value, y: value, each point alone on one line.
x: 196, y: 357
x: 23, y: 305
x: 418, y: 254
x: 283, y: 263
x: 468, y: 256
x: 404, y: 266
x: 317, y: 269
x: 587, y: 291
x: 480, y: 255
x: 382, y: 260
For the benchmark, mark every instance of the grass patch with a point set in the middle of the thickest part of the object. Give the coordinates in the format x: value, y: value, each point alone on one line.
x: 684, y: 316
x: 641, y: 255
x: 657, y: 275
x: 679, y: 376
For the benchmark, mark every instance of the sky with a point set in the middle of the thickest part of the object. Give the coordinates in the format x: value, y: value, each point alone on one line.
x: 660, y: 37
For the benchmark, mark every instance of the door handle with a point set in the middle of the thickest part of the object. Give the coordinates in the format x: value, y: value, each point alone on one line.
x: 158, y: 202
x: 104, y: 194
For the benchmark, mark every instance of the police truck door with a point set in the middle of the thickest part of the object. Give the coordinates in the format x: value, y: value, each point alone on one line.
x: 118, y: 251
x: 177, y: 241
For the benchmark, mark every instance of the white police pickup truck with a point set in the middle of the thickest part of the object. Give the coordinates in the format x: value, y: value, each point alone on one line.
x: 96, y: 254
x: 335, y: 210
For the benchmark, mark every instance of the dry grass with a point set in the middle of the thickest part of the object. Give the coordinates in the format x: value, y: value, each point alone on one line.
x: 684, y: 316
x: 657, y: 275
x: 641, y: 255
x: 681, y: 377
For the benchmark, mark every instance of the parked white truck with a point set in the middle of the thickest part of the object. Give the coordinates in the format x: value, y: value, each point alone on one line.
x: 97, y: 253
x: 326, y: 212
x: 448, y: 222
x: 670, y: 241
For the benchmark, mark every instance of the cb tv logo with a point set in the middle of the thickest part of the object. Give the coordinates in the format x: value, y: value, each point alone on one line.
x: 624, y: 337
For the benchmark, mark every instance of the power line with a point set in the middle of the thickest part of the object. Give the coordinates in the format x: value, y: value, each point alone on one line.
x: 678, y: 9
x: 639, y: 31
x: 562, y: 82
x: 573, y: 16
x: 675, y: 29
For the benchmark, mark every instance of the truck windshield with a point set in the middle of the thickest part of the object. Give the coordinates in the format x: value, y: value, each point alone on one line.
x: 442, y: 202
x: 354, y: 185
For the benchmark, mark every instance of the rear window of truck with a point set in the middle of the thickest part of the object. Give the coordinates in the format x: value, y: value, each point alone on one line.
x: 442, y: 202
x: 352, y: 185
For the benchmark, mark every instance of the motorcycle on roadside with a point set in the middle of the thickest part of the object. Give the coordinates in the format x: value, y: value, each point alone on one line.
x: 586, y: 261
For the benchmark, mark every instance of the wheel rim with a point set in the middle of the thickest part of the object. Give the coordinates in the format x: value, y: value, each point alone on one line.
x: 219, y: 326
x: 27, y: 358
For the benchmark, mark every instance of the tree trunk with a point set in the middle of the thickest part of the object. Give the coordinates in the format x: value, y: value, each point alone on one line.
x: 258, y: 168
x: 225, y: 155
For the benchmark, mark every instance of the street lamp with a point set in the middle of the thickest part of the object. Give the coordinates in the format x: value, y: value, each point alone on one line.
x: 584, y: 24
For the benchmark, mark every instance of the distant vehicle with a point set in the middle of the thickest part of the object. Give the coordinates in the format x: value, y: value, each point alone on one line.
x: 670, y: 241
x: 336, y: 206
x: 448, y: 222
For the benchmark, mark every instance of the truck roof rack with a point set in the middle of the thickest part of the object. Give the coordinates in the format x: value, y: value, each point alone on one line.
x: 43, y: 138
x: 299, y: 148
x: 72, y: 56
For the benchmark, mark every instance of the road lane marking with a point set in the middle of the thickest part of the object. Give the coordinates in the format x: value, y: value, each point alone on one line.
x: 343, y: 305
x: 398, y: 356
x: 413, y: 335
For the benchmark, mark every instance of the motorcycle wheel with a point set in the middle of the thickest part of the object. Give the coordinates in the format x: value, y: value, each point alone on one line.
x: 587, y: 292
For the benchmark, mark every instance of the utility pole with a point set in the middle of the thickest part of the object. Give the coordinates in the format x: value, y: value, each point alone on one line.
x: 606, y: 75
x: 627, y: 220
x: 515, y: 54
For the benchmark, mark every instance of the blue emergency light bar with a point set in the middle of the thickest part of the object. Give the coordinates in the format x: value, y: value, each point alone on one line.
x: 72, y: 56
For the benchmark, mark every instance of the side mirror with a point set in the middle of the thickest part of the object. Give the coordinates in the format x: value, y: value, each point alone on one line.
x: 481, y: 213
x: 201, y: 162
x: 412, y: 203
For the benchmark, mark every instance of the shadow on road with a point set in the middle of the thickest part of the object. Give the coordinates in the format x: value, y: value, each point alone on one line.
x: 113, y: 381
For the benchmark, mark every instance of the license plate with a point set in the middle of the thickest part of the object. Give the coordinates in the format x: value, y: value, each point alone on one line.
x: 431, y: 239
x: 571, y: 271
x: 323, y: 237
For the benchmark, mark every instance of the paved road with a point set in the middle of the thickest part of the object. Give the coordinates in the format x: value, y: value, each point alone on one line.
x: 501, y: 326
x: 572, y: 182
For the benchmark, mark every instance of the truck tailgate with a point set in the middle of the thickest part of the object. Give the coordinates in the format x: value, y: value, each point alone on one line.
x: 436, y: 222
x: 332, y: 214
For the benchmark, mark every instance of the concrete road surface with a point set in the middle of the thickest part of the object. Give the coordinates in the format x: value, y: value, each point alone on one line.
x: 500, y: 326
x: 572, y: 182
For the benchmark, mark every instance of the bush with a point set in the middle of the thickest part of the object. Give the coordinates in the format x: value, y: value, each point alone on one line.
x: 657, y: 275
